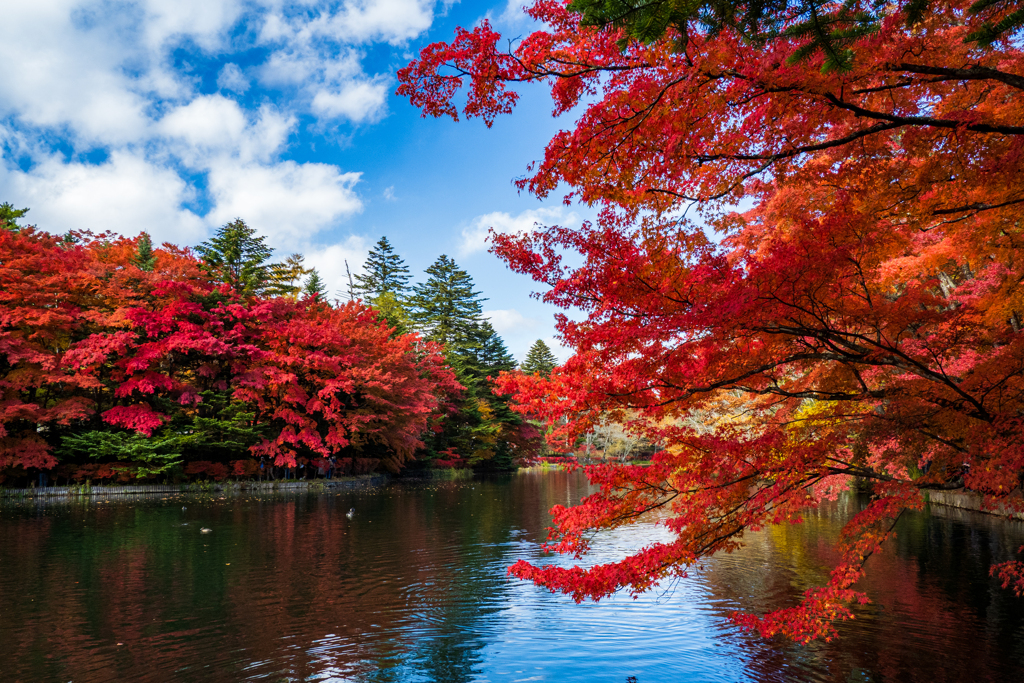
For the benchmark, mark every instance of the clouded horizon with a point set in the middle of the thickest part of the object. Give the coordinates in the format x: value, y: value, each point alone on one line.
x: 177, y: 116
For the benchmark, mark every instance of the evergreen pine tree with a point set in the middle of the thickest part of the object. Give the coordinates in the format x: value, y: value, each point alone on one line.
x: 445, y: 308
x: 144, y: 258
x: 236, y: 256
x: 315, y: 288
x: 9, y: 216
x: 494, y: 355
x: 484, y: 354
x: 540, y: 359
x: 384, y: 271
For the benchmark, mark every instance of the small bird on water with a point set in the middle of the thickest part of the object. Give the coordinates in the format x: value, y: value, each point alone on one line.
x: 204, y: 530
x: 351, y: 513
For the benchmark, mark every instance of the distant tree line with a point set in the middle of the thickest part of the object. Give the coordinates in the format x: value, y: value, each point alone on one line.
x: 121, y: 360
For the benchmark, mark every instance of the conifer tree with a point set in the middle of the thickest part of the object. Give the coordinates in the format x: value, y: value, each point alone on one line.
x: 9, y: 216
x: 539, y: 359
x: 315, y: 288
x: 445, y: 307
x: 384, y: 271
x: 484, y: 353
x: 238, y: 257
x: 292, y: 272
x: 144, y: 258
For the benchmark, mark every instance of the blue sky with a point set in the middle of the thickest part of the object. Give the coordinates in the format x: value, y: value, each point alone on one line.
x: 176, y: 116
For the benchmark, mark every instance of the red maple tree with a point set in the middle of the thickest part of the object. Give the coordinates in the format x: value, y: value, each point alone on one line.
x: 94, y: 350
x: 859, y: 318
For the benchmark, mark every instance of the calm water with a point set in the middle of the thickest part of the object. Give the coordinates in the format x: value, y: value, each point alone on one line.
x: 413, y: 588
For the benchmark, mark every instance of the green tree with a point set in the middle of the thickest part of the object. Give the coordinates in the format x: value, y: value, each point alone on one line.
x: 144, y: 257
x: 9, y: 216
x: 539, y: 359
x: 315, y: 287
x: 390, y: 309
x: 445, y: 308
x: 384, y: 271
x: 238, y: 257
x: 292, y: 271
x: 483, y: 353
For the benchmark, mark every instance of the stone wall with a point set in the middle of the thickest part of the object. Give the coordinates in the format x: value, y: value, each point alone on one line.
x: 967, y: 500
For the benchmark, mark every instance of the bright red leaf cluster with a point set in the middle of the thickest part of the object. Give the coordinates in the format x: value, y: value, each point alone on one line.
x: 860, y: 318
x: 94, y: 350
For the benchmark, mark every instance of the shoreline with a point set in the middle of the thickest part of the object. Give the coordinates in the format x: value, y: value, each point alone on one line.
x: 967, y: 500
x: 277, y: 486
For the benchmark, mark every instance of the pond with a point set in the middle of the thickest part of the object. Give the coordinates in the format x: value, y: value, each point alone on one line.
x: 413, y: 587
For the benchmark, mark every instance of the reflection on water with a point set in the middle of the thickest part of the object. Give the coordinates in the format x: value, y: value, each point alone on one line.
x: 413, y: 588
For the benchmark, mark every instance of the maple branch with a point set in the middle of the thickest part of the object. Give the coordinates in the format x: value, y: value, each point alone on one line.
x: 928, y: 121
x: 803, y: 149
x: 868, y: 473
x: 976, y: 207
x: 971, y: 73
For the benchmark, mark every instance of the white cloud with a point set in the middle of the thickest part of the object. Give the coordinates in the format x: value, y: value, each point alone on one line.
x: 113, y: 78
x: 212, y: 121
x: 520, y: 332
x: 511, y: 321
x: 393, y: 21
x: 286, y: 201
x: 389, y: 193
x: 474, y: 236
x: 514, y: 13
x: 214, y: 126
x: 355, y: 21
x: 330, y: 263
x: 231, y: 78
x: 126, y: 194
x: 64, y: 76
x: 356, y: 101
x: 202, y: 21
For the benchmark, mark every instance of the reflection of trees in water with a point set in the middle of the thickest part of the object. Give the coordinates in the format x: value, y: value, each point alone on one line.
x: 283, y: 587
x: 935, y: 614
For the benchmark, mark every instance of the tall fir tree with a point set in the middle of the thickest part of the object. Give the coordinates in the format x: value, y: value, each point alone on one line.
x: 144, y: 258
x: 315, y: 287
x: 238, y: 257
x: 445, y: 307
x: 483, y: 353
x: 384, y: 271
x: 539, y: 359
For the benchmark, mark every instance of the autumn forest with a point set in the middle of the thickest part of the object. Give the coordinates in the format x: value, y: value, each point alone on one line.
x: 800, y: 279
x: 128, y: 362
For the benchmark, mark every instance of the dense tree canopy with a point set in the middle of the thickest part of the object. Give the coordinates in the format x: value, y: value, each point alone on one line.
x: 240, y: 258
x: 861, y: 318
x: 165, y: 366
x: 481, y: 430
x: 144, y: 258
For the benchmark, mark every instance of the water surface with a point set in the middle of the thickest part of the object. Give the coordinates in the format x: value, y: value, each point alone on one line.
x: 413, y: 588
